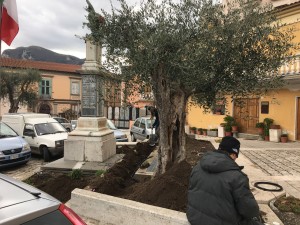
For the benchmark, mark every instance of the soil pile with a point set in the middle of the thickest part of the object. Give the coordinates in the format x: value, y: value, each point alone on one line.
x: 168, y: 190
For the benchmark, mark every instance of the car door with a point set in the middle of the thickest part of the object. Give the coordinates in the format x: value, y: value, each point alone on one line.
x: 30, y: 136
x: 142, y: 130
x: 135, y: 128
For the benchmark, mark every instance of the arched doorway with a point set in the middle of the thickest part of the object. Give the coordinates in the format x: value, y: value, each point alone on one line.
x: 44, y: 108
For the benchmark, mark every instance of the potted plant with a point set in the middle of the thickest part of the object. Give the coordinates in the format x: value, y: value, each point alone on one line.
x: 284, y: 138
x: 200, y: 131
x: 204, y: 132
x: 267, y: 124
x: 234, y: 126
x: 228, y: 119
x: 227, y: 129
x: 193, y: 130
x: 260, y: 126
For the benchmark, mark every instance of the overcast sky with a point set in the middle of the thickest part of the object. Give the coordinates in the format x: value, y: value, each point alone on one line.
x: 53, y: 24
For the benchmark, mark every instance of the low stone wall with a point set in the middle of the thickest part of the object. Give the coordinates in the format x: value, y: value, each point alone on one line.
x: 112, y: 210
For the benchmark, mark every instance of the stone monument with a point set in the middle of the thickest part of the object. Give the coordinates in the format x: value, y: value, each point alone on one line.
x: 91, y: 141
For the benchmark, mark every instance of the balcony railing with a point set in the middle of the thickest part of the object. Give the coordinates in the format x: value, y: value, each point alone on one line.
x: 45, y: 97
x: 292, y: 68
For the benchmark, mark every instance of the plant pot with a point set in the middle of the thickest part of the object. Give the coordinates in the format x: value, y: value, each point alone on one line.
x: 204, y: 133
x: 193, y: 131
x: 267, y: 138
x: 234, y: 128
x: 199, y: 132
x: 283, y: 139
x: 212, y: 133
x: 260, y: 130
x: 228, y: 133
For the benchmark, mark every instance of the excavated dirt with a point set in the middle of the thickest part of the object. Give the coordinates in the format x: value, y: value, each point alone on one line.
x: 168, y: 190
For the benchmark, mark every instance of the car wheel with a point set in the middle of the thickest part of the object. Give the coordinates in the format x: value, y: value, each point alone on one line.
x: 46, y: 153
x: 133, y: 138
x: 68, y: 129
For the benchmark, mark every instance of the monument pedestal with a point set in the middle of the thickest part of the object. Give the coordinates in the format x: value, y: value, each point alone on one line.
x: 91, y: 141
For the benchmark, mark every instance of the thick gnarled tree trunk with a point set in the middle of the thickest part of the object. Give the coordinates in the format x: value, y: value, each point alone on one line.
x: 171, y: 102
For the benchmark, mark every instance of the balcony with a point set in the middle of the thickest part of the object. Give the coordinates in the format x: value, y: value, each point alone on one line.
x: 291, y: 74
x: 291, y: 69
x: 45, y: 97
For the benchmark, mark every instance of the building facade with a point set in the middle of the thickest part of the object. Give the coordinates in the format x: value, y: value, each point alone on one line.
x: 281, y: 105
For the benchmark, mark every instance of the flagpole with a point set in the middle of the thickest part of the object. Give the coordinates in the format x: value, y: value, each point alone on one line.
x: 0, y: 26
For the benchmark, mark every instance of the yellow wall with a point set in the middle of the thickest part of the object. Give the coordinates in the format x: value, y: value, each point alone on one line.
x: 61, y: 87
x: 198, y: 118
x: 282, y: 109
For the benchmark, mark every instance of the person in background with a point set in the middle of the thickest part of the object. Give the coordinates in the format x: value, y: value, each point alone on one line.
x: 155, y: 125
x: 219, y: 192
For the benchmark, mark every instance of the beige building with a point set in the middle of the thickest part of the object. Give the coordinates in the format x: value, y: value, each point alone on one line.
x: 283, y: 105
x: 59, y: 90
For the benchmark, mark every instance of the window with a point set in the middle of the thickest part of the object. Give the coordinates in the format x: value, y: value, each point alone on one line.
x: 46, y: 87
x: 264, y: 107
x: 75, y: 88
x: 137, y: 123
x: 143, y: 125
x: 219, y: 108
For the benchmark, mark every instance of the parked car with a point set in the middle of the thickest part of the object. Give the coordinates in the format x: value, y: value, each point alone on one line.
x: 141, y: 129
x: 64, y: 122
x: 27, y: 205
x: 119, y: 135
x: 14, y: 149
x: 44, y: 134
x: 73, y: 124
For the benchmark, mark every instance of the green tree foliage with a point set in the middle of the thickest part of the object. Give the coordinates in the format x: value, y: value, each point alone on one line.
x: 19, y: 87
x: 192, y: 48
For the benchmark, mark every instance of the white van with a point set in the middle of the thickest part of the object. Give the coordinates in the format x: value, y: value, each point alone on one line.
x: 44, y: 134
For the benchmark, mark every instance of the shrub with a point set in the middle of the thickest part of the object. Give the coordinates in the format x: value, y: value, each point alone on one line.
x: 259, y: 125
x: 100, y: 172
x: 76, y: 174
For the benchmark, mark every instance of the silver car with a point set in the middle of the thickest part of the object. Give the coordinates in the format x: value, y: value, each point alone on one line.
x: 26, y: 205
x: 119, y: 135
x: 14, y: 149
x: 141, y: 129
x: 64, y: 122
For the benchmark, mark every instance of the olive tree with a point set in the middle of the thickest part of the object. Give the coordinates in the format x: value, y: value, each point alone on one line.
x: 19, y: 87
x: 192, y: 49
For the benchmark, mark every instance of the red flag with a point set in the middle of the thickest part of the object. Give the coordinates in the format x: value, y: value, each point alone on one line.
x: 9, y: 22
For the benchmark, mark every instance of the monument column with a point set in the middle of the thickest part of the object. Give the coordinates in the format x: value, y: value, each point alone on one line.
x: 91, y: 141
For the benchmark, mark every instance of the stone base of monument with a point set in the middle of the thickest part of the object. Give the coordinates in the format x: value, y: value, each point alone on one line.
x: 91, y: 141
x: 91, y: 146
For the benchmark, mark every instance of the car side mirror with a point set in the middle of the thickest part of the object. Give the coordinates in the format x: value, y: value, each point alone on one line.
x: 144, y: 131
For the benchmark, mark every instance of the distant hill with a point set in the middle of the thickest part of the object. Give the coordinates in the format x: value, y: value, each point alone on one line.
x: 41, y: 54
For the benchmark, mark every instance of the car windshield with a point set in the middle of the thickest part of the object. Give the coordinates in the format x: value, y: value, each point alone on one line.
x: 6, y: 131
x: 110, y: 125
x: 48, y: 128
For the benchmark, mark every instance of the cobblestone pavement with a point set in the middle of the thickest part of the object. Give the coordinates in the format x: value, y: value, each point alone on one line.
x: 22, y: 172
x: 276, y: 162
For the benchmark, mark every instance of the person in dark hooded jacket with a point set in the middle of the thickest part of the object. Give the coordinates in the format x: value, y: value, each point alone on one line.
x: 219, y: 192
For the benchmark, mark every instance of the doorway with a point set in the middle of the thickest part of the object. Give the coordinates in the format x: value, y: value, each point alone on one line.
x: 246, y: 114
x: 44, y: 108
